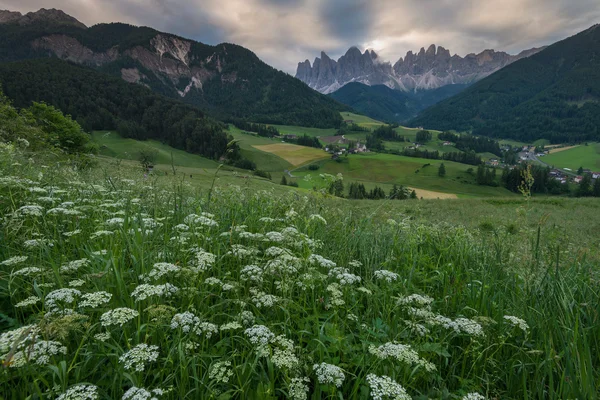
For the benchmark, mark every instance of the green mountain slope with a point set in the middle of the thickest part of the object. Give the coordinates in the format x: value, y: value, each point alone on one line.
x: 554, y: 94
x: 101, y: 102
x: 226, y: 80
x: 385, y: 104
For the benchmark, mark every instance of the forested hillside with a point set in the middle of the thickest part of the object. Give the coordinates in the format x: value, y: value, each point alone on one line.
x: 99, y: 101
x: 554, y: 94
x: 385, y: 104
x: 226, y: 81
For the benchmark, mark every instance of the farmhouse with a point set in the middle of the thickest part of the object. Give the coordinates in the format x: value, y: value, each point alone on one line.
x: 448, y: 144
x: 578, y: 179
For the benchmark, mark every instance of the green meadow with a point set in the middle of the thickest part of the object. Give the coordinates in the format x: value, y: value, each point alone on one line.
x: 586, y: 156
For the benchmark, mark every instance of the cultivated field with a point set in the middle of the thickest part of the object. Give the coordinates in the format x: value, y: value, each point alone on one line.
x: 294, y: 154
x: 120, y: 286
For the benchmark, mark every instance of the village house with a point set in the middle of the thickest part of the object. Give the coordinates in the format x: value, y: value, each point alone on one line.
x: 578, y: 179
x: 448, y: 144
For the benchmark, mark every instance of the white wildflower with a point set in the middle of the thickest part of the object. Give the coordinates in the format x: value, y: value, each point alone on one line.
x: 473, y: 396
x: 517, y: 322
x: 14, y: 261
x: 298, y: 388
x: 143, y: 291
x: 80, y: 392
x: 28, y: 302
x: 329, y: 374
x: 385, y: 275
x: 75, y: 265
x: 39, y: 353
x: 384, y: 387
x: 401, y: 352
x: 118, y: 316
x: 27, y: 271
x: 95, y: 299
x: 321, y: 261
x: 139, y: 356
x: 221, y: 372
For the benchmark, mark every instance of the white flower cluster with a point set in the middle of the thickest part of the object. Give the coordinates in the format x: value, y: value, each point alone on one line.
x: 283, y: 353
x: 321, y: 261
x: 75, y: 265
x: 27, y: 271
x: 262, y: 299
x: 415, y: 300
x: 31, y: 300
x: 39, y: 353
x: 203, y: 260
x: 252, y: 273
x: 384, y: 387
x: 298, y: 388
x: 139, y: 356
x: 95, y: 299
x: 205, y: 219
x: 337, y: 296
x: 221, y: 372
x: 329, y: 374
x: 246, y: 318
x: 145, y: 290
x: 61, y: 296
x: 160, y: 270
x: 31, y: 210
x: 344, y: 276
x: 14, y: 261
x: 17, y: 339
x: 386, y: 275
x: 185, y: 321
x: 517, y: 322
x: 473, y: 396
x: 230, y: 326
x: 259, y: 335
x: 35, y: 243
x: 401, y: 352
x: 241, y: 252
x: 98, y: 234
x: 135, y: 393
x: 118, y: 316
x: 80, y: 392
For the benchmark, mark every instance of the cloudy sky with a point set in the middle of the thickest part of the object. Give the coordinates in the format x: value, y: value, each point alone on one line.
x: 284, y: 32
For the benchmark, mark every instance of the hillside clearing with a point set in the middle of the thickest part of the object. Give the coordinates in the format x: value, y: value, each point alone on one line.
x: 587, y: 157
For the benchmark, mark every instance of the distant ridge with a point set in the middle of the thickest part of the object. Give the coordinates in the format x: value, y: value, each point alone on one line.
x: 554, y: 94
x: 426, y: 70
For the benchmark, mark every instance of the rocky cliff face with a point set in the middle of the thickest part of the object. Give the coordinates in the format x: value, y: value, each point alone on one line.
x: 428, y: 69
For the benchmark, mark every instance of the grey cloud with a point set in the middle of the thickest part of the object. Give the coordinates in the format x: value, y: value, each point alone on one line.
x: 283, y: 32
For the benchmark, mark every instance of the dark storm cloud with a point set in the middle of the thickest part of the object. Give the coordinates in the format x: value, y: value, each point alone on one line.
x: 283, y: 32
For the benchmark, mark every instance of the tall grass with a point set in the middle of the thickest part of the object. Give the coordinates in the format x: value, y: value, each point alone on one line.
x: 474, y: 278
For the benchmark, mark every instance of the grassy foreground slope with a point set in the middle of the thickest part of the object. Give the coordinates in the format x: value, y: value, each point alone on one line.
x: 115, y: 284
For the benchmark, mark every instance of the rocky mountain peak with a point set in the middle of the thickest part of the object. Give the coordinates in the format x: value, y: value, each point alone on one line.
x: 42, y: 15
x: 430, y: 68
x: 7, y: 16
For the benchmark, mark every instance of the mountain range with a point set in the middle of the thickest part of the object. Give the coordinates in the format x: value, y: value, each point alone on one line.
x: 227, y: 81
x: 425, y: 70
x: 554, y: 94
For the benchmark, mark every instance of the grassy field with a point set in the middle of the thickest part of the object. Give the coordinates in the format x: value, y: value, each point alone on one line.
x: 386, y: 170
x: 587, y: 157
x: 294, y: 154
x: 118, y: 285
x: 113, y: 145
x: 299, y: 131
x: 362, y: 120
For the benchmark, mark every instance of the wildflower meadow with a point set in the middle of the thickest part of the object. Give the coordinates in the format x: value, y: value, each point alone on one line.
x: 117, y: 285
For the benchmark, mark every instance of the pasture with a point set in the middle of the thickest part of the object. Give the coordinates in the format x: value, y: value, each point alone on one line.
x: 584, y: 156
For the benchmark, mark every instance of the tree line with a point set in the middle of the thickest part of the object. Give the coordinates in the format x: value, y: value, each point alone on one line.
x: 466, y: 142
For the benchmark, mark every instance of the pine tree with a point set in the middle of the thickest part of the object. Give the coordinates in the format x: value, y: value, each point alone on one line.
x: 283, y: 180
x: 442, y: 170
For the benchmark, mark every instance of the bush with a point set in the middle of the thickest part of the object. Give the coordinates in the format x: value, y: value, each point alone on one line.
x: 262, y: 174
x: 314, y: 167
x: 245, y: 164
